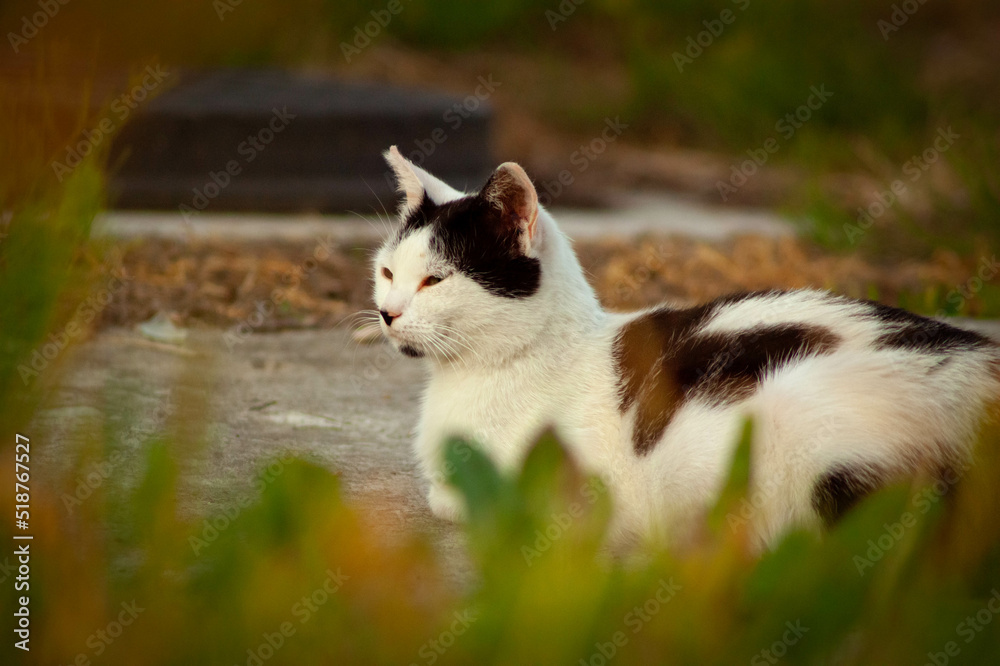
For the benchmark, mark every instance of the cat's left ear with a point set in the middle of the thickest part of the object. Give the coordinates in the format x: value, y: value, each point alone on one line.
x: 510, y: 191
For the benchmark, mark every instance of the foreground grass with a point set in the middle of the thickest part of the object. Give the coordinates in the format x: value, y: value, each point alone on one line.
x: 294, y: 576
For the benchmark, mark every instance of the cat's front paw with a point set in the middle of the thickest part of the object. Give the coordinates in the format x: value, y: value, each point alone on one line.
x: 446, y: 503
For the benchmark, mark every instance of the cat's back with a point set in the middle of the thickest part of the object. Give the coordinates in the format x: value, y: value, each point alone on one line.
x: 845, y: 395
x: 732, y: 349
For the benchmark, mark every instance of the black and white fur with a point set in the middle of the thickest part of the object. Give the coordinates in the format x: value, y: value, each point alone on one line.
x: 845, y: 395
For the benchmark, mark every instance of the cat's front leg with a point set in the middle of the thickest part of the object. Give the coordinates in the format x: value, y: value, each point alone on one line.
x: 446, y: 503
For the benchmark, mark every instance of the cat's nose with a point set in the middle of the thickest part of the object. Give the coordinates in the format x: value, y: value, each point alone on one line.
x: 387, y: 318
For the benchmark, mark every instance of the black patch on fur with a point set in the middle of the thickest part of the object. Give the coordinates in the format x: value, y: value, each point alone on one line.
x: 837, y: 491
x: 727, y: 367
x: 663, y: 362
x: 891, y: 315
x: 645, y: 375
x: 480, y: 242
x: 932, y: 336
x: 906, y: 330
x: 412, y: 352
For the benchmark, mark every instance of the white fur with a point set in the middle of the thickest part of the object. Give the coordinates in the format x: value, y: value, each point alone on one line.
x: 502, y: 370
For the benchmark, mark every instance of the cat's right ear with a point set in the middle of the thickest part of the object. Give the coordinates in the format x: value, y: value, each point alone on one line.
x: 415, y: 183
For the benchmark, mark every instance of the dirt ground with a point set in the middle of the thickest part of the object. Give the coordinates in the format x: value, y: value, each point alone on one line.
x: 307, y: 285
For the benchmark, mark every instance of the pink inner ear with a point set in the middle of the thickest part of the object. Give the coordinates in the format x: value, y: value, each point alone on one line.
x: 511, y: 191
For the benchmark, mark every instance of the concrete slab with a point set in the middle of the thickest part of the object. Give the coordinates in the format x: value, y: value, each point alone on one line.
x: 635, y: 214
x: 315, y: 395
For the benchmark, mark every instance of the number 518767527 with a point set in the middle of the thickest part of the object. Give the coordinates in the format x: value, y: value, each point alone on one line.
x: 22, y: 496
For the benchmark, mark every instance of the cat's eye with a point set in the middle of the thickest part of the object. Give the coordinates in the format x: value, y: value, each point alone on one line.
x: 386, y: 273
x: 430, y: 281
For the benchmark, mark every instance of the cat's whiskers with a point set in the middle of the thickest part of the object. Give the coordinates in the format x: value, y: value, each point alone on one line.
x: 452, y: 352
x: 362, y: 318
x: 382, y: 232
x: 385, y: 223
x: 436, y: 343
x: 457, y: 337
x: 360, y: 313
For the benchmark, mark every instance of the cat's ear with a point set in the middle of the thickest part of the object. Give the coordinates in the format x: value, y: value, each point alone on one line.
x: 510, y: 191
x: 414, y: 183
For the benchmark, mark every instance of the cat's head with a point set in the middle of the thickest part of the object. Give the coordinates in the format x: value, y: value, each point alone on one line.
x: 460, y: 277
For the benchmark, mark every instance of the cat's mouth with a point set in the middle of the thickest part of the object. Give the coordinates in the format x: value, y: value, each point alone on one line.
x: 407, y: 347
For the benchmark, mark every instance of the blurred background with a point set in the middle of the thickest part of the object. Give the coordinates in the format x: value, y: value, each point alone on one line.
x: 178, y: 178
x: 812, y: 112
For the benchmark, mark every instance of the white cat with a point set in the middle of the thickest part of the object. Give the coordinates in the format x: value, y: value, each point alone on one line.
x: 845, y: 395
